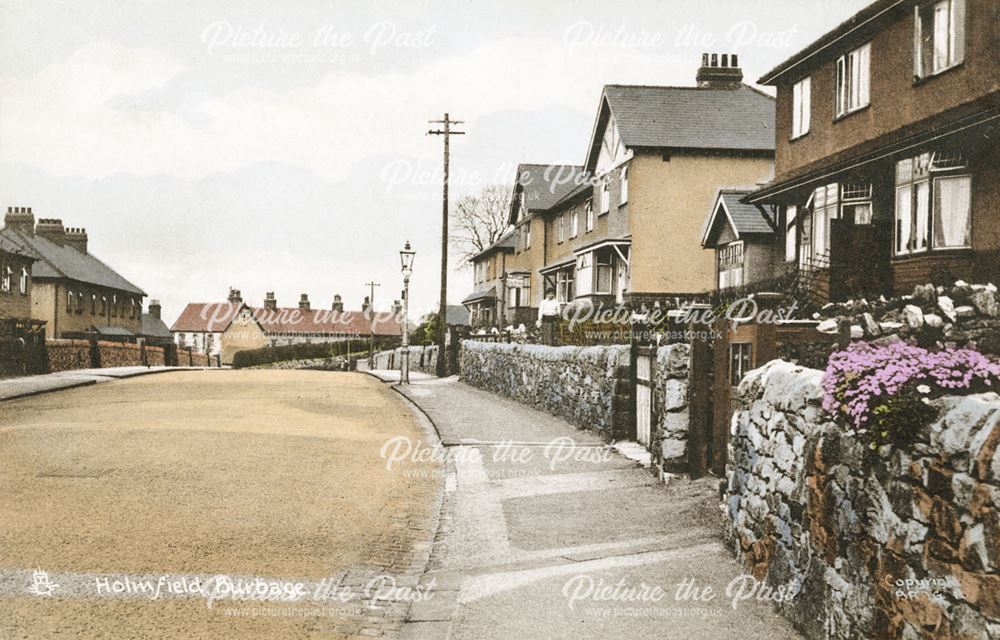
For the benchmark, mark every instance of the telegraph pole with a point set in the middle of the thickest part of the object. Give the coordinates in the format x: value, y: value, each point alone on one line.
x: 371, y: 326
x: 447, y: 132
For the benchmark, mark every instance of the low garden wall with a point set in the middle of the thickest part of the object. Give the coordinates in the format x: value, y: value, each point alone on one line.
x: 863, y: 543
x: 422, y: 358
x: 587, y: 386
x: 67, y: 355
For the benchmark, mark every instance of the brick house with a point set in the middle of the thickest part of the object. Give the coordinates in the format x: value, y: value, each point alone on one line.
x: 70, y: 289
x: 887, y: 149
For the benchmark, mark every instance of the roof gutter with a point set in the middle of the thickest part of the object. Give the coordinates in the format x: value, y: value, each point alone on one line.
x: 781, y: 70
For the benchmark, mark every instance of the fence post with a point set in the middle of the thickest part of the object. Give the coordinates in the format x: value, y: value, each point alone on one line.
x: 700, y: 423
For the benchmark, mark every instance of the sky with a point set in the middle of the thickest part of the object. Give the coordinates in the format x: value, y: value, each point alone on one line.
x: 282, y: 146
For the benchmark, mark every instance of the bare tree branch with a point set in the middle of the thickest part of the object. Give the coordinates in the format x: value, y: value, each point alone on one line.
x: 478, y: 221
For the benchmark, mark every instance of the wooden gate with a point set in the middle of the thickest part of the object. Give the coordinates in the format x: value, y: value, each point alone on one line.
x: 644, y: 395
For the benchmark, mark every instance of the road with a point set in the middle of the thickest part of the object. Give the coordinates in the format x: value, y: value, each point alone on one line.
x: 140, y: 496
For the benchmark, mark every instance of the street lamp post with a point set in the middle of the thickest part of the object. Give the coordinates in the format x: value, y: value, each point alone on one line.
x: 406, y: 260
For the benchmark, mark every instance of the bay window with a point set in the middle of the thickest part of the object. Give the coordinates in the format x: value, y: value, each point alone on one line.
x: 933, y: 204
x: 853, y: 80
x: 584, y: 275
x: 856, y: 204
x: 564, y: 285
x: 604, y: 281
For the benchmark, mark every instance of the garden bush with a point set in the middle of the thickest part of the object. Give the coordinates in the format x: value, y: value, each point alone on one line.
x: 882, y: 393
x: 307, y: 351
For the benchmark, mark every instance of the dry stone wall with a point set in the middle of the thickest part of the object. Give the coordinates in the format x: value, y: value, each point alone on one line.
x: 904, y: 544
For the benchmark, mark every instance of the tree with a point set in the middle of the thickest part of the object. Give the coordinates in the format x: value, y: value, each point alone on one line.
x: 478, y: 221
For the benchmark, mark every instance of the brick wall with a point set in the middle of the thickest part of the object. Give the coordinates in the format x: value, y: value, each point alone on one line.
x: 900, y: 545
x: 119, y: 354
x: 155, y: 356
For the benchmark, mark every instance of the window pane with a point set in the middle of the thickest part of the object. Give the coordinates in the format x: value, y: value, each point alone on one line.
x: 941, y: 30
x: 923, y: 213
x: 904, y: 213
x: 951, y: 211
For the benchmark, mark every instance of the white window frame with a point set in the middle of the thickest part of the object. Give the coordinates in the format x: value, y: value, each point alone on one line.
x: 23, y: 286
x: 605, y: 197
x: 942, y: 25
x: 937, y: 214
x: 8, y: 274
x: 561, y: 228
x: 853, y: 81
x: 623, y: 185
x: 589, y: 215
x: 574, y: 224
x: 791, y: 213
x: 801, y: 107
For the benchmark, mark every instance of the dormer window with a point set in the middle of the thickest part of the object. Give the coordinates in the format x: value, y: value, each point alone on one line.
x: 853, y: 80
x: 938, y: 37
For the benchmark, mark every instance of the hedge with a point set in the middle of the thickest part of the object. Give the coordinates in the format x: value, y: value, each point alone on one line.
x: 306, y: 351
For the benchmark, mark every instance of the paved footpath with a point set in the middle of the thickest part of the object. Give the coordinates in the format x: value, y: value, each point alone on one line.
x: 23, y: 387
x: 547, y: 533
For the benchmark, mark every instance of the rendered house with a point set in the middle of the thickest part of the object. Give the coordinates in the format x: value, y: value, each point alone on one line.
x: 887, y: 153
x: 630, y: 230
x: 487, y: 302
x: 745, y: 239
x: 71, y: 290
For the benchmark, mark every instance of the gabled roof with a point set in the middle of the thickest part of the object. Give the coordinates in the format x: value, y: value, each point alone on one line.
x: 744, y: 219
x: 9, y: 247
x: 63, y: 261
x: 710, y: 118
x: 542, y: 186
x: 860, y: 23
x: 505, y: 243
x: 456, y: 315
x: 154, y: 327
x: 212, y: 317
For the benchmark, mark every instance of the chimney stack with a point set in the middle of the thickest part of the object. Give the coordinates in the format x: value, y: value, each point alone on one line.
x: 51, y: 229
x: 365, y: 305
x: 304, y: 302
x: 235, y: 297
x: 76, y: 237
x: 154, y: 308
x: 397, y: 307
x: 270, y: 302
x: 719, y: 71
x: 338, y: 304
x: 20, y: 219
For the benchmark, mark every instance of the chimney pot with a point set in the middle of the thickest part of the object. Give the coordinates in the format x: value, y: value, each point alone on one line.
x: 304, y: 302
x: 714, y: 75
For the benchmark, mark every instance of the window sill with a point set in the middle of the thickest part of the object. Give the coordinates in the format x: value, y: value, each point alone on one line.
x: 925, y: 253
x: 851, y: 113
x: 917, y: 81
x: 802, y: 135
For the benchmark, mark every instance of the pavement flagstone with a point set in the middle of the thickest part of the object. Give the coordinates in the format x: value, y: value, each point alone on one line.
x: 545, y: 532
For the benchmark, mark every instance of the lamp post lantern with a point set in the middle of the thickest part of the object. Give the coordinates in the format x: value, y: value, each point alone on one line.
x: 406, y: 261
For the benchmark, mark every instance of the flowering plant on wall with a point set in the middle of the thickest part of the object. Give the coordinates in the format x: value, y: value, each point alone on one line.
x: 883, y: 392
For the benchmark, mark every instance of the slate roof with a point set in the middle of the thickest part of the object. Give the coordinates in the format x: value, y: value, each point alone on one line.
x: 211, y: 317
x: 506, y: 241
x: 745, y: 219
x: 692, y: 117
x: 10, y: 247
x: 544, y: 185
x: 154, y: 327
x: 108, y: 330
x: 63, y: 261
x: 456, y: 315
x: 482, y: 294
